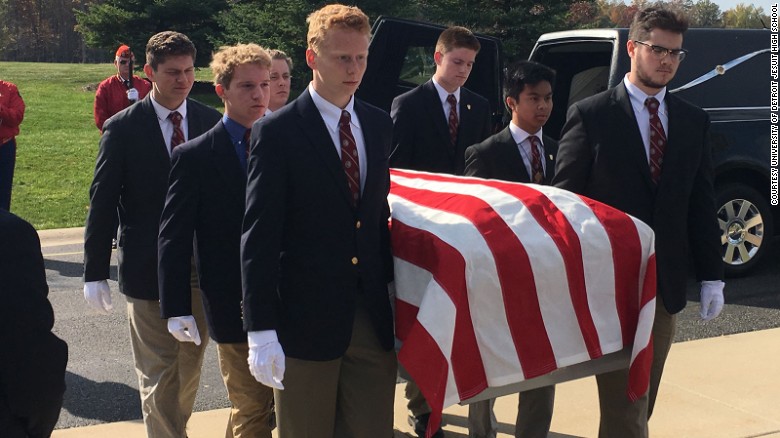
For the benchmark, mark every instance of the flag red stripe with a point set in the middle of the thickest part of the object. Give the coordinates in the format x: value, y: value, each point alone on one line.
x: 627, y: 259
x: 429, y: 374
x: 426, y: 250
x: 515, y: 277
x: 639, y: 372
x: 557, y: 226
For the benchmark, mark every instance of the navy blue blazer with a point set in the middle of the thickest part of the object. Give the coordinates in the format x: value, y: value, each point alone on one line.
x: 205, y: 201
x: 498, y: 157
x: 601, y: 155
x: 307, y: 255
x: 131, y: 174
x: 421, y: 135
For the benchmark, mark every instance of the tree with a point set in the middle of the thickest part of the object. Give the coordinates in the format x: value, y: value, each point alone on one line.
x: 705, y: 13
x: 744, y: 16
x: 113, y: 22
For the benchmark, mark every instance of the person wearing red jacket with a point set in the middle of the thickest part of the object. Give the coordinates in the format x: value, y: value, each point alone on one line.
x: 11, y: 115
x: 116, y: 92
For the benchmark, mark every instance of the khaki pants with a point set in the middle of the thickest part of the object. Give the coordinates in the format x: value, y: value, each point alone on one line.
x: 251, y: 401
x: 620, y: 418
x: 534, y: 415
x: 168, y: 370
x: 348, y: 397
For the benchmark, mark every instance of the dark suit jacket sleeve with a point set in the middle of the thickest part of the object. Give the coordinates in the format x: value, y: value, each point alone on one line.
x: 177, y: 229
x: 475, y: 164
x: 403, y: 133
x: 261, y: 241
x: 103, y: 201
x: 32, y: 371
x: 703, y: 225
x: 573, y: 163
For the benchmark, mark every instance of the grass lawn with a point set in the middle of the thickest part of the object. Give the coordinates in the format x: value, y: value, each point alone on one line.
x: 58, y: 142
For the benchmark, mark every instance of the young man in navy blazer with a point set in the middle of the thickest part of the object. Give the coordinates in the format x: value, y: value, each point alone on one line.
x: 646, y: 152
x: 520, y: 153
x: 435, y: 122
x: 205, y: 202
x: 131, y: 174
x: 315, y: 249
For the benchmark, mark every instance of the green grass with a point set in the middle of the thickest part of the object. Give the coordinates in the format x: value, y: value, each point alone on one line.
x: 58, y: 142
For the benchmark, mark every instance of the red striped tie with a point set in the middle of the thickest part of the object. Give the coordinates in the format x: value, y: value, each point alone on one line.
x: 178, y: 135
x: 349, y: 157
x: 247, y: 134
x: 453, y: 119
x: 657, y: 139
x: 537, y: 171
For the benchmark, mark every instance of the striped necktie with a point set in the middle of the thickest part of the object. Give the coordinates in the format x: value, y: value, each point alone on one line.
x: 657, y: 139
x: 349, y: 157
x: 178, y: 135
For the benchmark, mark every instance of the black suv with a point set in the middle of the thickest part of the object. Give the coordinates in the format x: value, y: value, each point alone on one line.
x: 725, y: 73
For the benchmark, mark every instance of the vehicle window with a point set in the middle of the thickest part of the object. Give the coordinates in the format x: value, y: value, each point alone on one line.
x: 418, y: 66
x: 582, y: 70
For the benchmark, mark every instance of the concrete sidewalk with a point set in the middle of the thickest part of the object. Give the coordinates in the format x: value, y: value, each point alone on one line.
x: 719, y: 387
x: 726, y: 387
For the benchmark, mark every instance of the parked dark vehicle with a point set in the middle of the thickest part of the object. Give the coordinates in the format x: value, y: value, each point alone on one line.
x: 725, y: 73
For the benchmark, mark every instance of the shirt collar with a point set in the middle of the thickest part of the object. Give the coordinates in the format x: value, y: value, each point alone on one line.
x: 163, y: 112
x: 444, y: 93
x: 331, y: 114
x: 234, y: 129
x: 519, y: 135
x: 638, y: 97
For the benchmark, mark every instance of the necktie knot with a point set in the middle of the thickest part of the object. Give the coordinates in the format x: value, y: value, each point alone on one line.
x: 175, y: 117
x: 452, y: 100
x: 177, y: 137
x: 652, y: 105
x: 345, y: 118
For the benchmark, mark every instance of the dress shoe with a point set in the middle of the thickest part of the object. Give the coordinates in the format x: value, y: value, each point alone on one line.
x: 420, y: 422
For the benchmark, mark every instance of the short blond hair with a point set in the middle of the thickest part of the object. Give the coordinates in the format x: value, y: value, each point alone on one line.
x: 227, y: 58
x: 335, y: 16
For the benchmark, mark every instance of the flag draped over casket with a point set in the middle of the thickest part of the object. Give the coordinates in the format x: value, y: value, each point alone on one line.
x: 499, y: 282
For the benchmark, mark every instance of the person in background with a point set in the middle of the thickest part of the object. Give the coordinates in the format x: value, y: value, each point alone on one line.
x: 118, y: 92
x: 646, y: 152
x: 205, y: 202
x: 432, y: 126
x: 316, y: 304
x: 32, y: 370
x: 131, y: 174
x: 519, y: 153
x: 435, y: 122
x: 11, y: 116
x: 281, y: 66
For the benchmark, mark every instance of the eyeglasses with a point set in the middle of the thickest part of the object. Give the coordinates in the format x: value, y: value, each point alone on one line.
x: 661, y: 52
x: 123, y: 62
x: 285, y: 77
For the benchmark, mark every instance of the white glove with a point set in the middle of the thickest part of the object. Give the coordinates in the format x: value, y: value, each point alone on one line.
x: 711, y: 299
x: 132, y: 95
x: 98, y: 295
x: 184, y: 329
x: 266, y: 358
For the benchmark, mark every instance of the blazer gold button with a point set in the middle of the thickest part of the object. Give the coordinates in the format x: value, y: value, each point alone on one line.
x: 357, y: 225
x: 354, y: 260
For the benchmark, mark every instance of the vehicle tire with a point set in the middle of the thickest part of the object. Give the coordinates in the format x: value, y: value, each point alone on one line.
x: 746, y: 227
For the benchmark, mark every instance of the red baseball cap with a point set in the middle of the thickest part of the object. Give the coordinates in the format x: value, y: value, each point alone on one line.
x: 124, y: 52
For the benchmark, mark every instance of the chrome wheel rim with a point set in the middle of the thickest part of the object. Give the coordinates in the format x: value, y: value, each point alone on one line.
x: 742, y: 231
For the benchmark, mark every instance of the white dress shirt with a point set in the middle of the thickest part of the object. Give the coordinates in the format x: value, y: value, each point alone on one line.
x: 166, y: 125
x: 524, y: 146
x: 642, y: 114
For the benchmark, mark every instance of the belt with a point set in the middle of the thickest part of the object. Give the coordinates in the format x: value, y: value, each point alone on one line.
x: 6, y: 140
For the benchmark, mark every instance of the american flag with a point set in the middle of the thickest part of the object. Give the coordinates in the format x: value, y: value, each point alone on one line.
x: 500, y: 282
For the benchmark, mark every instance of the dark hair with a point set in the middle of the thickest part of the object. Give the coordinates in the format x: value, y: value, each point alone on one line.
x: 457, y: 37
x: 654, y: 17
x: 165, y: 44
x: 523, y: 73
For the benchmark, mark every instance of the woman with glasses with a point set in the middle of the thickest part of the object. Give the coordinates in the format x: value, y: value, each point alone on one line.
x: 281, y: 65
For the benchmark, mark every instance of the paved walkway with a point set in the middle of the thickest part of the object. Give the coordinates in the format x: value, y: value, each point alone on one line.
x: 725, y: 387
x: 719, y: 387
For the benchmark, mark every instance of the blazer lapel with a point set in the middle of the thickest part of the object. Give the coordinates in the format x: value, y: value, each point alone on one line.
x: 435, y: 110
x: 157, y: 141
x: 312, y: 125
x: 225, y: 160
x: 624, y: 116
x: 509, y: 155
